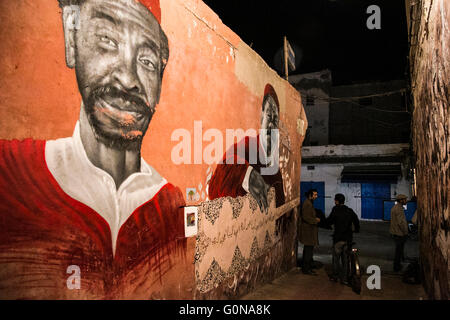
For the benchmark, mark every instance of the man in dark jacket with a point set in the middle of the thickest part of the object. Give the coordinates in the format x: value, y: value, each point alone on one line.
x: 308, y: 233
x: 342, y: 218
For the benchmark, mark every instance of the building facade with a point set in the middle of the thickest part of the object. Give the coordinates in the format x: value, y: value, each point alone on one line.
x: 369, y: 176
x: 315, y: 90
x: 357, y: 144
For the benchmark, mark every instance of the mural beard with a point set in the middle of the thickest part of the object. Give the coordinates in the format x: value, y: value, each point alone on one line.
x: 118, y: 119
x: 268, y: 141
x: 269, y: 137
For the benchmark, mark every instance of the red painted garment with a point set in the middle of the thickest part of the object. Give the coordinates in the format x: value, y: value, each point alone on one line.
x: 153, y: 7
x: 228, y: 177
x: 43, y: 231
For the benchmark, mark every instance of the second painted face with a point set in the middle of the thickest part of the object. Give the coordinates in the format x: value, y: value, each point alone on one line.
x: 269, y: 118
x: 118, y: 67
x: 269, y: 121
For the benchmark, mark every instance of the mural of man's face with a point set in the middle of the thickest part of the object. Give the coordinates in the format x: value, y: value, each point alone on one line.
x: 118, y: 67
x: 269, y: 119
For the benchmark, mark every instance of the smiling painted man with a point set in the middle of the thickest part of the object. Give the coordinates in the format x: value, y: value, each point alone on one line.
x: 252, y: 165
x: 90, y: 200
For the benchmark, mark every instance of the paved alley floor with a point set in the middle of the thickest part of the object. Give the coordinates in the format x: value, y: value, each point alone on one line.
x: 375, y: 248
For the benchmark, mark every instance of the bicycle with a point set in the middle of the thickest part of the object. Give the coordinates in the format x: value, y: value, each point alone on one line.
x: 353, y: 269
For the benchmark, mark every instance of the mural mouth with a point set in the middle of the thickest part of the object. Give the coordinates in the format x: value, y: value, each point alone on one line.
x: 121, y: 111
x: 120, y: 105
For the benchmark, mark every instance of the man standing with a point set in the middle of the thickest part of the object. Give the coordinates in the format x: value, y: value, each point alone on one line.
x: 308, y: 231
x: 344, y: 219
x: 251, y: 165
x: 90, y: 202
x: 399, y: 229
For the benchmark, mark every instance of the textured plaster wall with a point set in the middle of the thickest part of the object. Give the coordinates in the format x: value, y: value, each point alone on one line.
x: 430, y: 74
x: 212, y: 77
x: 239, y: 246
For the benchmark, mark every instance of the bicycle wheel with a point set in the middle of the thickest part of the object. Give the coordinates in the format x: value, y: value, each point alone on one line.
x: 356, y: 285
x: 356, y: 273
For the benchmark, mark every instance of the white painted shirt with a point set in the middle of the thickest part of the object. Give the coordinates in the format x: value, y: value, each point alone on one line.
x: 80, y: 179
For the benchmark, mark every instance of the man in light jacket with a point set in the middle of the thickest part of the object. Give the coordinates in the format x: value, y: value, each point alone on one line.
x: 399, y: 230
x: 308, y: 231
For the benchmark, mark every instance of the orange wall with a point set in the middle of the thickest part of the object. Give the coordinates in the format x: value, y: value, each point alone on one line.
x: 208, y: 78
x: 212, y: 76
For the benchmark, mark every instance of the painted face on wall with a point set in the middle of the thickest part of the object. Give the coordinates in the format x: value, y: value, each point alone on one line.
x: 118, y: 66
x: 269, y: 117
x: 269, y: 120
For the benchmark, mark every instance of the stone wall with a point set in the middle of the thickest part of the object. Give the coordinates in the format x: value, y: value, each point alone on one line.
x: 430, y: 74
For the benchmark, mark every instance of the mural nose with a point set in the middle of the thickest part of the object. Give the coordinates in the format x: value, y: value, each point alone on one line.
x: 127, y: 80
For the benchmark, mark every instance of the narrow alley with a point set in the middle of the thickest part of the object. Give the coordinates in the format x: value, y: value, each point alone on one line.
x: 208, y: 153
x: 375, y: 246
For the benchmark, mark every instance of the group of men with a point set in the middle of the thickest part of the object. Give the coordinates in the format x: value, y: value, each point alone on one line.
x: 345, y: 222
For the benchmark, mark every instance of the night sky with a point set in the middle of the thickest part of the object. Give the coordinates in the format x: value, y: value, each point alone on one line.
x: 330, y: 34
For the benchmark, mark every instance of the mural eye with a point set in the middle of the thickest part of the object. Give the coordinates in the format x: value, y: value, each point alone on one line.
x: 107, y: 41
x: 148, y: 63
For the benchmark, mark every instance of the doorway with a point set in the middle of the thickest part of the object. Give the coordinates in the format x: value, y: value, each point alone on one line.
x: 373, y: 196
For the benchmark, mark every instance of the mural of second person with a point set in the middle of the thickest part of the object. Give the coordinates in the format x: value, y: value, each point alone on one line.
x: 88, y: 205
x: 255, y: 168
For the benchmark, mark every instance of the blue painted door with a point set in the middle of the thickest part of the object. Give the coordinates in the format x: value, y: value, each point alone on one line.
x: 319, y: 203
x: 372, y: 198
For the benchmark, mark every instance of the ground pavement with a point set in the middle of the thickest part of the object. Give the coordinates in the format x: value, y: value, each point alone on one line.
x: 375, y: 248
